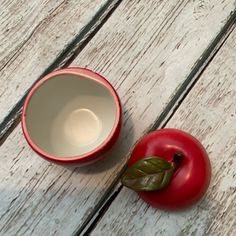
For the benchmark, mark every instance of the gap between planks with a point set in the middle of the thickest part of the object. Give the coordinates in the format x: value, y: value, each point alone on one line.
x: 63, y: 60
x: 169, y: 111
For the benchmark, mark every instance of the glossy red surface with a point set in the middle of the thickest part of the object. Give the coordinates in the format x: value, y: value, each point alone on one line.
x: 95, y: 154
x: 189, y: 182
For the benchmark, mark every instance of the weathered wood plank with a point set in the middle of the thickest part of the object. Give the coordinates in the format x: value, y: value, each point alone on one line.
x: 146, y: 50
x: 33, y: 34
x: 209, y: 113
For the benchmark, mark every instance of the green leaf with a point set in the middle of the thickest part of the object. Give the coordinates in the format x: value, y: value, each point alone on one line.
x: 149, y: 174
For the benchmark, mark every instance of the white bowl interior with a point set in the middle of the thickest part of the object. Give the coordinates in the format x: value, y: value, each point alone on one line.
x: 70, y: 115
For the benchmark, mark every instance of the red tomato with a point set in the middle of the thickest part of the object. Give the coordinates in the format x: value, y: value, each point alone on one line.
x: 189, y: 181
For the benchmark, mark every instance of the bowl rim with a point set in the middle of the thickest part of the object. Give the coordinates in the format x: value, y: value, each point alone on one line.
x: 86, y: 73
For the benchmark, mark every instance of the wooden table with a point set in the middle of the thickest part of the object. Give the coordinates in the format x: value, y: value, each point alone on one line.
x: 173, y: 64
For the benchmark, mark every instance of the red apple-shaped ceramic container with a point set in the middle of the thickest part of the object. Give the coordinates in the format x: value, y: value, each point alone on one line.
x: 72, y: 116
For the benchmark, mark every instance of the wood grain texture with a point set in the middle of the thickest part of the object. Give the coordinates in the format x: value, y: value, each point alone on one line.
x: 208, y: 113
x: 32, y: 35
x: 146, y: 50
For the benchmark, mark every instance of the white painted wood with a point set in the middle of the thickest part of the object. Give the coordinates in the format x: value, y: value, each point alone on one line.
x: 208, y: 113
x: 32, y: 35
x: 146, y: 50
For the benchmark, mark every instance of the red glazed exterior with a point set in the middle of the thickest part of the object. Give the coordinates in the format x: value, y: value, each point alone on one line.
x: 93, y: 155
x: 190, y: 181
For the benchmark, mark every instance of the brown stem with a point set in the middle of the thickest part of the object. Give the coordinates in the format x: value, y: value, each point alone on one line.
x: 177, y: 159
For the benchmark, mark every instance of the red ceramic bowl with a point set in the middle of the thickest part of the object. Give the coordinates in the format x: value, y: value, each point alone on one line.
x: 72, y: 116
